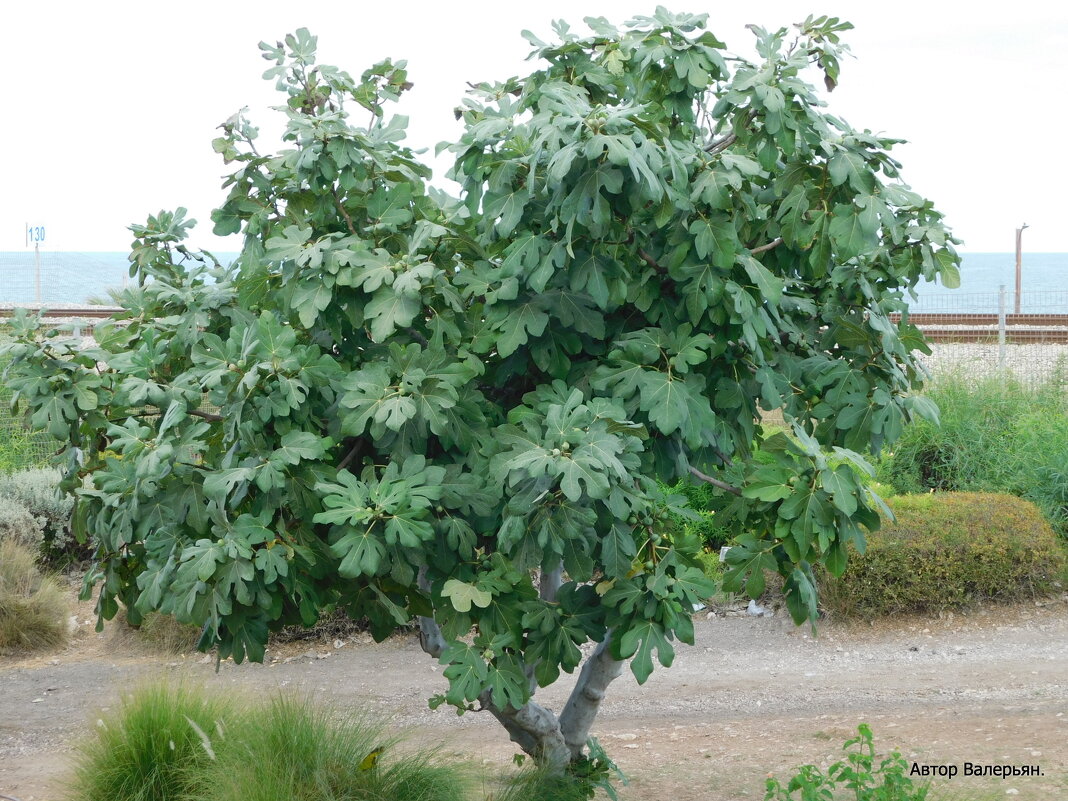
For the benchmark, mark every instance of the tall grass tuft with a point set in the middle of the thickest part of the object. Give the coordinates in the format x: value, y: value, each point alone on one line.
x: 153, y: 746
x: 33, y: 607
x: 996, y: 435
x: 297, y: 751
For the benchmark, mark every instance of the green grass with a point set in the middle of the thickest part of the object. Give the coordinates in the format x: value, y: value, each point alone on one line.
x: 996, y: 435
x: 178, y: 743
x: 33, y: 607
x: 149, y: 749
x: 297, y: 751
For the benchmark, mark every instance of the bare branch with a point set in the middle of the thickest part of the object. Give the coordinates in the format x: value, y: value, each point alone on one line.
x: 723, y: 143
x: 715, y: 482
x: 765, y: 248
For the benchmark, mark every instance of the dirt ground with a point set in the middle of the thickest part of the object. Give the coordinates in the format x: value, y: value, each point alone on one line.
x: 754, y: 696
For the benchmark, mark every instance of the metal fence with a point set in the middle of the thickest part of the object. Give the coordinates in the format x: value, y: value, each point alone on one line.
x: 58, y: 280
x: 982, y: 335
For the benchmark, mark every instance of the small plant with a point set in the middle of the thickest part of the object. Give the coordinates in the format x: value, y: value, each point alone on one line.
x: 33, y: 608
x: 858, y: 773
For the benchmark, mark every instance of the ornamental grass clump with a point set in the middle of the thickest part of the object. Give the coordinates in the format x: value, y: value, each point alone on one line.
x: 152, y: 746
x: 947, y: 551
x: 294, y: 750
x: 33, y: 607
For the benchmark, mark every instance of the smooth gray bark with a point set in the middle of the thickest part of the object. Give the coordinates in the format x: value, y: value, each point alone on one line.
x: 550, y: 740
x: 599, y: 670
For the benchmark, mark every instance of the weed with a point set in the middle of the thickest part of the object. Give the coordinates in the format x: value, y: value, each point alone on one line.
x: 858, y: 773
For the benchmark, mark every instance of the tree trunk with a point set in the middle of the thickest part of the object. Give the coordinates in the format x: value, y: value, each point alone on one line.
x: 551, y: 741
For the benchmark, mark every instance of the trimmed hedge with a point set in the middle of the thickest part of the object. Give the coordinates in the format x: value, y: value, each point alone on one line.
x: 947, y: 551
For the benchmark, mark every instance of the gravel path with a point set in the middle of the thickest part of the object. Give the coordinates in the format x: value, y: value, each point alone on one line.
x: 752, y: 696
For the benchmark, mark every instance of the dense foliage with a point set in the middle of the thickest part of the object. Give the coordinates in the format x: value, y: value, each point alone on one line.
x: 996, y: 435
x: 949, y: 550
x: 417, y: 403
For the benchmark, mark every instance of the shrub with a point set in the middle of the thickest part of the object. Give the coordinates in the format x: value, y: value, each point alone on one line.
x: 946, y: 551
x: 151, y: 747
x: 297, y: 751
x: 33, y: 607
x: 37, y: 489
x: 18, y: 525
x: 866, y: 781
x: 996, y: 435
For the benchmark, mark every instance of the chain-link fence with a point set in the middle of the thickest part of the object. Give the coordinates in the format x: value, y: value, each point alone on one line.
x: 997, y: 333
x: 58, y: 280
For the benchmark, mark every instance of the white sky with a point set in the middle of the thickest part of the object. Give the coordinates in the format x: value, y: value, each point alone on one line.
x: 111, y: 106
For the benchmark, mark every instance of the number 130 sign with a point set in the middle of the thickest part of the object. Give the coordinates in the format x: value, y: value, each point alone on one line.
x: 35, y: 233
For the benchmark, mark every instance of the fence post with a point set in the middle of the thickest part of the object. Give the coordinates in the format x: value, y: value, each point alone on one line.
x: 1001, y: 327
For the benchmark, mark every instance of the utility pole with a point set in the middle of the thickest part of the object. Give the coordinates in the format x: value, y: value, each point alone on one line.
x: 1019, y: 264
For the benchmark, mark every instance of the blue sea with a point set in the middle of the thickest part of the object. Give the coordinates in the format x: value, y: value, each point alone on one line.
x: 73, y: 278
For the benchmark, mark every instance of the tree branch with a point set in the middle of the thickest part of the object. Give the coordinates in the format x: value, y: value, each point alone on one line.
x: 715, y: 482
x: 648, y: 259
x: 765, y: 248
x: 354, y: 451
x: 721, y: 144
x: 341, y: 208
x: 206, y: 415
x: 599, y: 670
x: 550, y: 582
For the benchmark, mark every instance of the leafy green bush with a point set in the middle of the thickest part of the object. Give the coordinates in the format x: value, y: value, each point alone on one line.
x: 37, y: 489
x: 996, y: 435
x: 948, y: 550
x: 858, y: 773
x: 296, y: 751
x: 152, y: 746
x: 33, y: 608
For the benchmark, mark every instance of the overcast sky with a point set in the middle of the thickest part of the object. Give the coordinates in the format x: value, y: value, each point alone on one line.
x: 112, y: 105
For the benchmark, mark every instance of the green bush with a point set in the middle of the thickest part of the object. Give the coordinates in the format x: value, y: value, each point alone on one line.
x: 152, y: 746
x: 858, y: 773
x: 947, y: 551
x: 33, y: 607
x: 996, y: 435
